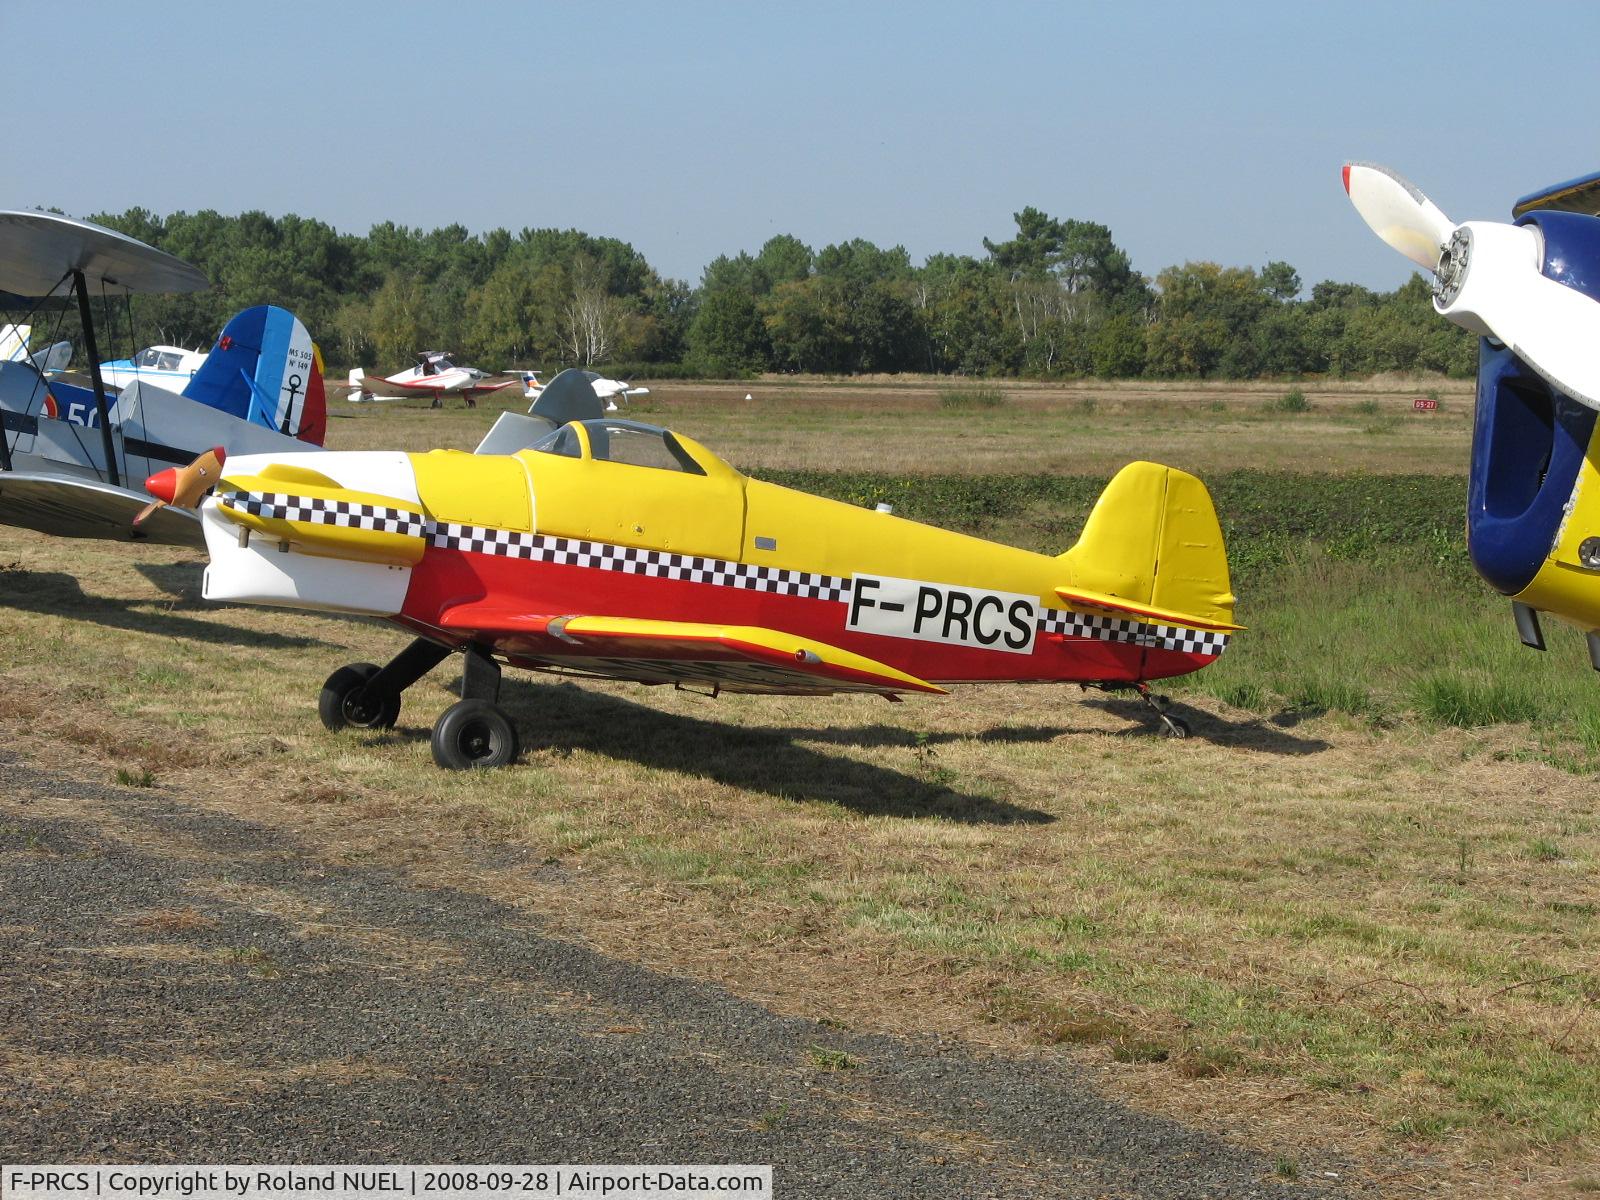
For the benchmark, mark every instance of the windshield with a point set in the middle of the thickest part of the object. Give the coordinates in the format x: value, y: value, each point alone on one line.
x: 630, y: 443
x: 561, y: 441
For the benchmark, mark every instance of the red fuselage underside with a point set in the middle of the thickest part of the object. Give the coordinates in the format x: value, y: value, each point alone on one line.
x: 446, y: 578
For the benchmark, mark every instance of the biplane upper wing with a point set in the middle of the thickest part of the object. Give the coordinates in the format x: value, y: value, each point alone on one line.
x: 1580, y: 195
x: 71, y: 506
x: 739, y: 658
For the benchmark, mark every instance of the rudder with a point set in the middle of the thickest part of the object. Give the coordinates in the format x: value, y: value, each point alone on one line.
x: 265, y: 369
x: 1153, y: 541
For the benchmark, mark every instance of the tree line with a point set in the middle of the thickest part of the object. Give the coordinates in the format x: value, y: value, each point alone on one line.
x: 1057, y: 299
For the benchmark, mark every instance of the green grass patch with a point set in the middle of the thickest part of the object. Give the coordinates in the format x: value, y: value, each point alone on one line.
x: 976, y: 396
x: 1470, y: 703
x: 1293, y: 401
x: 828, y: 1059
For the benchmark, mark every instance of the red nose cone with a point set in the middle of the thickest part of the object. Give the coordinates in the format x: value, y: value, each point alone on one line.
x: 1347, y: 178
x: 222, y: 455
x: 163, y: 485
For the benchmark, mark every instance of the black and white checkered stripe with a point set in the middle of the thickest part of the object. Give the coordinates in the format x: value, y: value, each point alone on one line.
x: 316, y: 511
x: 1137, y: 633
x: 659, y: 564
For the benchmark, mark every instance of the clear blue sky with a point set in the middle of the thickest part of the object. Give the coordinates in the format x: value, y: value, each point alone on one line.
x: 1194, y: 130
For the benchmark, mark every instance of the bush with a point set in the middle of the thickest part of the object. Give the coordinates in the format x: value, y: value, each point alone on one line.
x: 1290, y: 402
x: 971, y: 397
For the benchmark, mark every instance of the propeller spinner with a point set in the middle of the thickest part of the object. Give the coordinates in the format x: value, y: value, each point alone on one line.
x: 1487, y: 279
x: 182, y: 487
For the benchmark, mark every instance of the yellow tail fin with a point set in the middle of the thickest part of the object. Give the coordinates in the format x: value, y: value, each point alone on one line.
x: 1152, y: 546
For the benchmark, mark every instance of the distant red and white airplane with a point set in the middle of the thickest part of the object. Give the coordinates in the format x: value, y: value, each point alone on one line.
x: 434, y: 375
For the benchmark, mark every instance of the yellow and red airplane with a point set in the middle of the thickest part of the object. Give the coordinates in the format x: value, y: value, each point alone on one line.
x: 606, y: 547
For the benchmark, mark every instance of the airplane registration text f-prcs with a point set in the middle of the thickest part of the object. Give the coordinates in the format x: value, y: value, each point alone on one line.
x: 936, y: 612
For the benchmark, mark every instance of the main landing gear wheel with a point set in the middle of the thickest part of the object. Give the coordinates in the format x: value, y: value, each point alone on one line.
x: 346, y: 700
x: 474, y: 733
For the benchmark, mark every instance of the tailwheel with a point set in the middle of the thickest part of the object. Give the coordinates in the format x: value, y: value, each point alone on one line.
x: 1170, y: 726
x: 347, y: 702
x: 474, y: 733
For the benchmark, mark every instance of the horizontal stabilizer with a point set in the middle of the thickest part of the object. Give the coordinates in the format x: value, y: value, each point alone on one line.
x: 1079, y: 596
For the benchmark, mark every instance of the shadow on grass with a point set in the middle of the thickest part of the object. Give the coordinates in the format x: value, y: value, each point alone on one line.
x: 565, y: 717
x: 180, y: 580
x: 60, y: 595
x: 1267, y: 734
x: 870, y: 737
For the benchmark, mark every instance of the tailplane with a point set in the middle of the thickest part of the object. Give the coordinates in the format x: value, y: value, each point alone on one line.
x: 1152, y: 548
x: 265, y: 369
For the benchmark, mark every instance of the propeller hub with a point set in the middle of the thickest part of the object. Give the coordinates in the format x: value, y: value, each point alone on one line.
x: 163, y: 485
x: 1451, y: 273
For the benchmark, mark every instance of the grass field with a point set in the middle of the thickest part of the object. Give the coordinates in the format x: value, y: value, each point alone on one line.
x: 892, y: 425
x: 1358, y: 908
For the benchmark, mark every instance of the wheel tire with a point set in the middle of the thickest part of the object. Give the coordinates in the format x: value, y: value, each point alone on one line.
x: 342, y: 705
x: 473, y: 733
x: 1175, y: 727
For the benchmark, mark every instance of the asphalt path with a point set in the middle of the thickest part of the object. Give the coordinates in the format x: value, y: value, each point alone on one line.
x: 245, y: 1001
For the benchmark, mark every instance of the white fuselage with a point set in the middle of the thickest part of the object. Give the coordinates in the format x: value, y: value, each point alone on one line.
x: 169, y: 367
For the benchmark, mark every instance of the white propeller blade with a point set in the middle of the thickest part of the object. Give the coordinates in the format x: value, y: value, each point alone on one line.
x: 1488, y: 280
x: 1398, y: 212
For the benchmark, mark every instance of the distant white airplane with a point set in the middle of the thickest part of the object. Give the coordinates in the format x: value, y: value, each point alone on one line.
x: 607, y: 389
x: 434, y: 375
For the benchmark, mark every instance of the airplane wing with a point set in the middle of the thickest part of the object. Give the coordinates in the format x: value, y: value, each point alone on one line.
x: 734, y: 658
x: 71, y: 506
x: 483, y: 389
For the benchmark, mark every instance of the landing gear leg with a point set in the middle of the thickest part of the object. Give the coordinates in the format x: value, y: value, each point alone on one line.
x: 1171, y: 726
x: 475, y: 731
x: 367, y: 696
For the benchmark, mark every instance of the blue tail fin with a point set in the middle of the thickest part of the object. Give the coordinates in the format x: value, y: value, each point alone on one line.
x: 265, y: 369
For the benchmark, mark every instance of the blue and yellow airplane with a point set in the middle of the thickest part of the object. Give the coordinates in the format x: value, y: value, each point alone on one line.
x: 1531, y: 291
x: 581, y: 543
